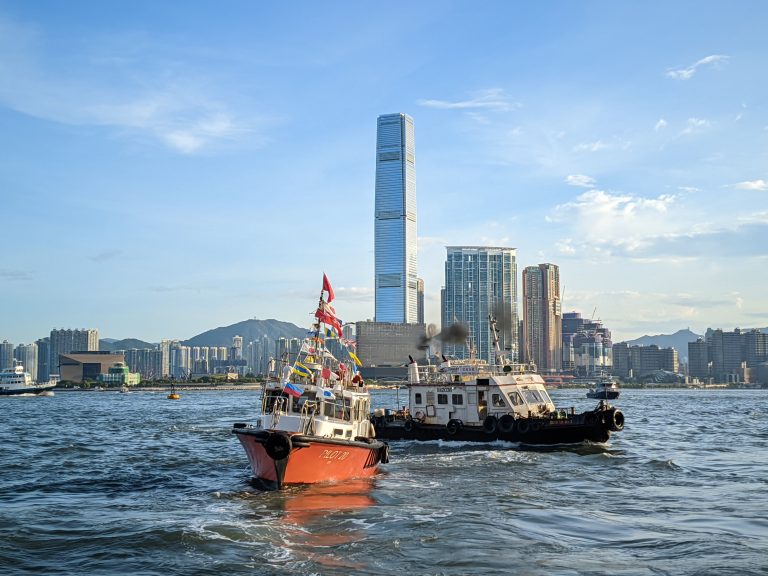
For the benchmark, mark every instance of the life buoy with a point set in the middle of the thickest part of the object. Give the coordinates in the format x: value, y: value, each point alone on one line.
x: 506, y: 423
x: 523, y: 426
x: 453, y: 426
x: 278, y: 446
x: 490, y: 424
x: 408, y: 426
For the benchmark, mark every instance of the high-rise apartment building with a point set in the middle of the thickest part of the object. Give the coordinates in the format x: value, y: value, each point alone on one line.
x: 43, y: 359
x: 395, y: 221
x: 6, y: 355
x: 66, y: 341
x: 542, y: 317
x: 27, y: 355
x: 481, y: 281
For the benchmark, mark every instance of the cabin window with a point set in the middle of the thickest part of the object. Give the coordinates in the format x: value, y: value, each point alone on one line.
x: 532, y: 397
x: 457, y: 399
x: 417, y: 398
x: 515, y: 398
x: 347, y: 409
x: 482, y: 381
x: 497, y: 400
x: 442, y: 398
x: 430, y: 397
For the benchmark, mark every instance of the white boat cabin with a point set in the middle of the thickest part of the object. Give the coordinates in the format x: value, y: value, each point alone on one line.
x: 471, y: 392
x: 331, y: 413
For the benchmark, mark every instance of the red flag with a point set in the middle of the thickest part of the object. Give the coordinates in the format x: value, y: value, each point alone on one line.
x: 327, y: 288
x: 326, y: 373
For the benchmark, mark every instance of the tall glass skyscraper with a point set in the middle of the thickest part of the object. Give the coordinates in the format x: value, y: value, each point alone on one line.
x: 395, y: 231
x: 481, y: 281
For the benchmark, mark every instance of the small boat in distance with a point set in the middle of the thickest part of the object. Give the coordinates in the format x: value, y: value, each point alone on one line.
x: 315, y: 424
x: 470, y: 400
x: 605, y: 389
x: 15, y: 381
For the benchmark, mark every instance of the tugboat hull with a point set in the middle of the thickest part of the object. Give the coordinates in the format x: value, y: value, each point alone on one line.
x: 281, y: 458
x: 603, y: 394
x: 595, y: 426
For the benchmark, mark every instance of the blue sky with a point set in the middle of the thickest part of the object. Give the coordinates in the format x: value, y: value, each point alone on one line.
x: 169, y: 167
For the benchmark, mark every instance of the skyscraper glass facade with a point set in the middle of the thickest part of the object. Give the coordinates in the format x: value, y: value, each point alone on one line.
x: 481, y: 281
x: 395, y: 228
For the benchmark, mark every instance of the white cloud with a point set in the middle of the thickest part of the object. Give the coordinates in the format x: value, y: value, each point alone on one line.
x: 696, y: 125
x: 580, y: 180
x: 590, y: 146
x: 607, y: 220
x: 688, y: 72
x: 493, y: 99
x: 611, y: 144
x: 175, y: 109
x: 752, y: 185
x: 660, y: 125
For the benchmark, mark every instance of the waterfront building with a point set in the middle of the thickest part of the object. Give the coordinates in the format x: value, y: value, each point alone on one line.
x: 726, y: 351
x: 146, y: 361
x: 64, y: 341
x: 481, y: 281
x: 80, y: 366
x: 645, y: 362
x: 396, y: 282
x: 542, y: 317
x: 587, y: 349
x: 383, y: 348
x: 27, y: 355
x: 180, y: 360
x: 755, y: 348
x: 698, y: 360
x: 622, y: 366
x: 119, y: 374
x: 43, y: 359
x: 6, y: 355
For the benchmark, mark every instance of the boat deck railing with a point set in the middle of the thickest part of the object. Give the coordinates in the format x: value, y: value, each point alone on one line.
x: 459, y: 371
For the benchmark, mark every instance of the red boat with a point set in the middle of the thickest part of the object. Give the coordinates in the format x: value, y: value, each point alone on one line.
x: 315, y: 423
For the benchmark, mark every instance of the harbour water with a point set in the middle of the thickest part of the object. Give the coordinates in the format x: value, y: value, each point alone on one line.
x: 104, y: 483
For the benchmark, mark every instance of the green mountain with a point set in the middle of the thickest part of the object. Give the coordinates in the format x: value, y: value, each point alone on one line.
x: 250, y: 330
x: 679, y: 341
x: 110, y: 344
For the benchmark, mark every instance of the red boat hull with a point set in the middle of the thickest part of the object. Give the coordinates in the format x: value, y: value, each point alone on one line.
x: 280, y: 458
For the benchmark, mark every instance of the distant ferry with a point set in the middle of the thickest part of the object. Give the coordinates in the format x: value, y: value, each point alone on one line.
x: 14, y: 381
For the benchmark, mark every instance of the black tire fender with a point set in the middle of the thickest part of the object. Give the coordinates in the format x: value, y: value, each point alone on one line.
x: 507, y: 423
x: 617, y: 421
x: 490, y: 424
x: 408, y: 426
x: 453, y: 426
x: 524, y: 426
x: 278, y: 446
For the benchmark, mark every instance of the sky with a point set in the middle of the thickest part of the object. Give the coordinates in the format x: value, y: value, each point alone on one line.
x: 171, y: 167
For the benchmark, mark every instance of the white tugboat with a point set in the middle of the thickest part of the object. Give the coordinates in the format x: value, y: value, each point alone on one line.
x: 471, y: 400
x: 15, y: 381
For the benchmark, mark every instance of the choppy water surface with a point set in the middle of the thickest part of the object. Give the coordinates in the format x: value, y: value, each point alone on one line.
x: 106, y: 483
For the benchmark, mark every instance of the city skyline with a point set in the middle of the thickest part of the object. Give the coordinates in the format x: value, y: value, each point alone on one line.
x: 163, y: 174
